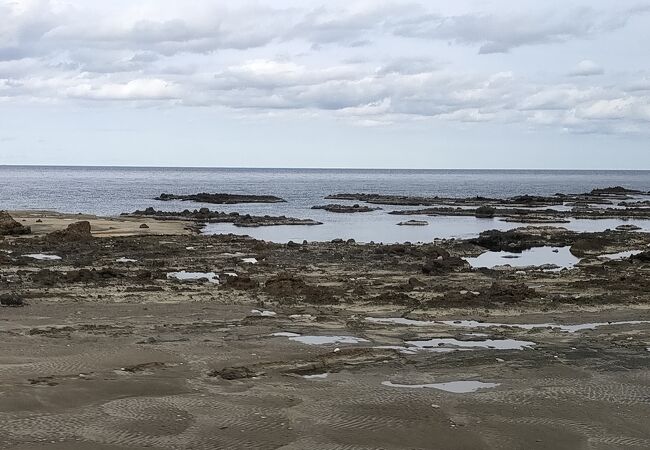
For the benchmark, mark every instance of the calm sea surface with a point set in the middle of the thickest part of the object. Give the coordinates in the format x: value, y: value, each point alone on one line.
x: 112, y: 190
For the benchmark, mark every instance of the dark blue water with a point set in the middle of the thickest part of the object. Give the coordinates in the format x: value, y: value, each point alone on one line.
x: 112, y: 190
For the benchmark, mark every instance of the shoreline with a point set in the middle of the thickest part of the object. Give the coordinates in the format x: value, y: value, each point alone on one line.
x: 126, y: 319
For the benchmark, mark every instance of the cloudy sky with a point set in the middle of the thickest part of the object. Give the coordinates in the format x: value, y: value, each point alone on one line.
x: 410, y: 84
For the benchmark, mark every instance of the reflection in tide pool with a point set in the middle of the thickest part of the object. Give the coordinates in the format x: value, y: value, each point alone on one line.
x: 378, y: 226
x: 557, y: 256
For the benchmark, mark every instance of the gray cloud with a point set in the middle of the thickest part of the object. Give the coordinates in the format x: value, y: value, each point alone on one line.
x: 501, y: 33
x: 256, y: 59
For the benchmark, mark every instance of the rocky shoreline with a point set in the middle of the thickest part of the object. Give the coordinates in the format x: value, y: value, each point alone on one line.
x: 336, y: 208
x: 606, y: 203
x: 221, y: 198
x: 204, y: 216
x: 172, y: 325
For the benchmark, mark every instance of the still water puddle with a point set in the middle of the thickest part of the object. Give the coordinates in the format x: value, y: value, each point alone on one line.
x: 556, y: 256
x: 566, y: 328
x: 526, y: 326
x: 318, y: 376
x: 264, y: 313
x: 493, y: 344
x: 43, y: 257
x: 456, y: 387
x: 125, y: 260
x: 194, y: 276
x: 620, y: 255
x: 285, y: 334
x: 320, y: 340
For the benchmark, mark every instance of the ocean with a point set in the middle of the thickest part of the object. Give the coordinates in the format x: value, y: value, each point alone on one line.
x: 110, y: 191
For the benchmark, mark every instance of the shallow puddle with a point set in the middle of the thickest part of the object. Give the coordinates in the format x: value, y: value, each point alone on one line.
x: 457, y: 387
x: 526, y: 326
x: 125, y: 260
x: 323, y: 340
x: 285, y: 334
x: 620, y: 255
x: 320, y: 340
x: 263, y: 313
x: 194, y: 276
x: 401, y: 321
x: 43, y: 257
x: 531, y: 326
x: 450, y: 343
x: 318, y: 376
x: 556, y: 256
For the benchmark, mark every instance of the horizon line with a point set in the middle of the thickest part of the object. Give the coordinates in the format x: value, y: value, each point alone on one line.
x: 93, y: 166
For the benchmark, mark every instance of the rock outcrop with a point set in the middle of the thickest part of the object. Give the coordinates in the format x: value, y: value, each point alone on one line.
x: 9, y: 226
x: 221, y: 198
x: 76, y: 232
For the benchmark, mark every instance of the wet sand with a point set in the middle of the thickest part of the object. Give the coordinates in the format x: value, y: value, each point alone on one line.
x: 43, y: 222
x: 111, y: 355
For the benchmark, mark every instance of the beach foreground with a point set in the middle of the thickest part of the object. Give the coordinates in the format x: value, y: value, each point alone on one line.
x: 156, y: 337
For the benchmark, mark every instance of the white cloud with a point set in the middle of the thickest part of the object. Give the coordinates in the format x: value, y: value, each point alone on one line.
x: 586, y: 68
x: 373, y: 63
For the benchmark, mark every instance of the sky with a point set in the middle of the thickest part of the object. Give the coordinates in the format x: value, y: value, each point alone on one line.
x: 329, y: 83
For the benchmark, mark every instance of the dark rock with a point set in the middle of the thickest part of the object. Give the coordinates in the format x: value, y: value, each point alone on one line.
x: 46, y: 277
x: 144, y: 226
x: 642, y: 257
x: 319, y: 295
x: 285, y: 286
x: 221, y: 198
x: 628, y: 228
x: 485, y: 212
x: 9, y: 227
x: 509, y: 293
x: 521, y: 239
x: 335, y: 208
x: 240, y: 282
x: 442, y: 265
x: 233, y: 373
x: 614, y: 190
x: 92, y: 275
x: 415, y: 283
x: 416, y: 223
x: 11, y: 300
x: 75, y: 232
x: 204, y: 215
x: 587, y: 246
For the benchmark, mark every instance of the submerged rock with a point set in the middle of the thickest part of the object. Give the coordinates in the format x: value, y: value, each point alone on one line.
x: 416, y: 223
x: 336, y: 208
x: 628, y: 228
